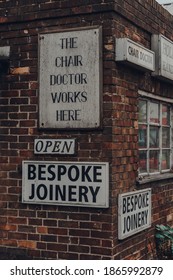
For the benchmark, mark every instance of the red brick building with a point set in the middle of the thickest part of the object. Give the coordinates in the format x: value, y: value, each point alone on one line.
x: 132, y: 135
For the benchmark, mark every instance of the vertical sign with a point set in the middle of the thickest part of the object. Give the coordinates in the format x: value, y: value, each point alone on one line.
x: 70, y: 77
x: 163, y: 48
x: 134, y: 212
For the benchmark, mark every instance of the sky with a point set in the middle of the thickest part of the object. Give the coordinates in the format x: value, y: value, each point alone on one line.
x: 164, y: 1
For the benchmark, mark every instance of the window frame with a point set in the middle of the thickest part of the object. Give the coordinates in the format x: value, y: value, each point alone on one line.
x: 149, y: 99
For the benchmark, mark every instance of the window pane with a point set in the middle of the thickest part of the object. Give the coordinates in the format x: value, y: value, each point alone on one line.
x: 165, y: 137
x: 142, y: 161
x: 142, y: 111
x: 154, y: 161
x: 154, y: 137
x: 165, y: 115
x: 154, y: 112
x: 142, y: 136
x: 165, y: 159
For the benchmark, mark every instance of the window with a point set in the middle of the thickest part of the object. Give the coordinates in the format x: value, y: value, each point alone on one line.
x: 154, y: 137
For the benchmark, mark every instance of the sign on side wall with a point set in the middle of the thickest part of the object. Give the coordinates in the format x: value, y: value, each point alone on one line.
x: 134, y: 212
x: 163, y: 48
x: 134, y: 54
x: 54, y: 146
x: 66, y: 183
x: 70, y: 79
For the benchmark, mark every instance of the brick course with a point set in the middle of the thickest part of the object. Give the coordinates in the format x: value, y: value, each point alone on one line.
x: 50, y: 232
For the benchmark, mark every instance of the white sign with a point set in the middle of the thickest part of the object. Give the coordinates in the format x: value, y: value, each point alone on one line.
x: 66, y: 183
x: 163, y: 48
x: 134, y: 212
x: 70, y: 79
x: 135, y: 54
x: 54, y: 146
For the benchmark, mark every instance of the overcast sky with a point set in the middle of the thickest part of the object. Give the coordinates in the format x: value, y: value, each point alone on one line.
x: 164, y: 1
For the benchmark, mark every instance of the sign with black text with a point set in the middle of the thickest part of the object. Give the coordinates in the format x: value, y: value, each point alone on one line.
x: 163, y: 48
x: 70, y: 79
x: 54, y: 146
x: 134, y: 212
x: 66, y: 183
x: 134, y: 54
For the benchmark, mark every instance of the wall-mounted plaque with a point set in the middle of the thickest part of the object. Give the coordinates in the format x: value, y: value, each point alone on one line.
x: 134, y: 54
x: 66, y: 183
x: 70, y: 79
x: 134, y: 212
x: 54, y: 146
x: 163, y: 48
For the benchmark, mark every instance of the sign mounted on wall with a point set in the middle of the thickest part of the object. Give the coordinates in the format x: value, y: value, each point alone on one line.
x: 70, y: 79
x: 129, y: 52
x: 134, y: 212
x: 163, y: 48
x: 66, y: 183
x: 54, y: 146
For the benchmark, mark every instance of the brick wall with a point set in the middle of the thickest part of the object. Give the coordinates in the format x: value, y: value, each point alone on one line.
x: 39, y: 231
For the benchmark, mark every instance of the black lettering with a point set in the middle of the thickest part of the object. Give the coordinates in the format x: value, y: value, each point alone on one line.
x: 71, y: 79
x: 31, y: 172
x: 48, y: 144
x: 94, y: 193
x: 124, y: 205
x: 73, y: 173
x: 67, y: 61
x: 60, y: 192
x: 83, y: 190
x: 68, y: 115
x: 96, y: 174
x: 67, y: 147
x: 51, y: 172
x: 85, y: 173
x: 41, y: 192
x: 69, y: 43
x: 32, y: 191
x: 61, y: 171
x: 56, y: 147
x: 41, y: 172
x: 72, y: 193
x: 51, y: 192
x: 39, y: 146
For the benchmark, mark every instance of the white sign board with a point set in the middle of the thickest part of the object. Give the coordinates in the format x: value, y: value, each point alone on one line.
x: 66, y: 183
x: 54, y: 146
x: 163, y: 48
x: 135, y: 54
x: 134, y: 212
x: 70, y: 79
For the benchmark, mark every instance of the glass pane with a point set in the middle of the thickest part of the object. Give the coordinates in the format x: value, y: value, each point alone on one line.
x: 166, y: 159
x: 154, y: 137
x: 142, y: 111
x: 165, y: 137
x: 154, y: 112
x: 154, y: 161
x: 142, y: 138
x: 165, y: 115
x: 142, y: 161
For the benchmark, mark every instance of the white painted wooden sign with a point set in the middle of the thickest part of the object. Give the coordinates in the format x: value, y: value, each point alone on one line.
x: 66, y: 183
x: 70, y: 79
x: 134, y: 212
x: 54, y: 146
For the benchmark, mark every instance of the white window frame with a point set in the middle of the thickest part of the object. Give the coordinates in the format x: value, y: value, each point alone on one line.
x: 161, y: 100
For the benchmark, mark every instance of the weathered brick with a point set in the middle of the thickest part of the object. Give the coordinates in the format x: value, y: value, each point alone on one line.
x: 81, y: 233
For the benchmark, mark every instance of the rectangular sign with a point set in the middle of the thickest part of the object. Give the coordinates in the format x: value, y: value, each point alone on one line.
x: 66, y: 183
x: 135, y: 54
x: 54, y: 146
x: 163, y: 48
x: 70, y: 79
x: 134, y: 212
